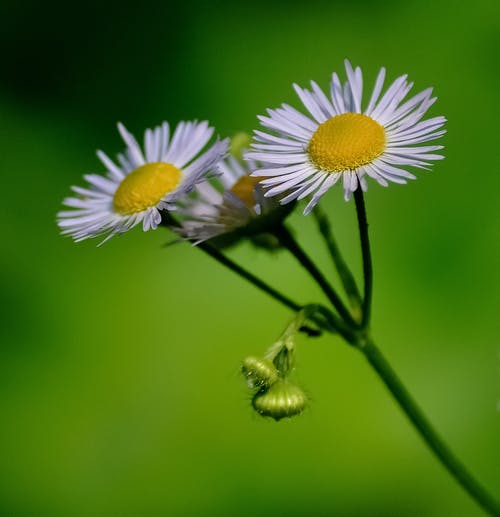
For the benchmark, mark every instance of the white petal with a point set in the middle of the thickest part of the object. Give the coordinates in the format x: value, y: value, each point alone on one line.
x: 355, y: 80
x: 134, y: 151
x: 112, y: 168
x: 329, y: 181
x: 310, y: 103
x: 337, y: 95
x: 379, y: 83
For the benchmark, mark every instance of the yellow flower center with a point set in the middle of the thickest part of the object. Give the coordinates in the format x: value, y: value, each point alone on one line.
x: 346, y: 142
x: 244, y: 189
x: 145, y: 186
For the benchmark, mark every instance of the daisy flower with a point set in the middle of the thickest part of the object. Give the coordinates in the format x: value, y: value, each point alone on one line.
x: 143, y: 182
x: 342, y: 139
x: 230, y: 207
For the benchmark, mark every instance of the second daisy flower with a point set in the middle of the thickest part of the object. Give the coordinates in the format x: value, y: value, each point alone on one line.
x: 341, y: 140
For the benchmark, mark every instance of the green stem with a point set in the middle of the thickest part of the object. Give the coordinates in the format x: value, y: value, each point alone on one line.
x: 346, y: 277
x: 168, y: 221
x: 323, y: 318
x: 424, y: 427
x: 287, y: 241
x: 257, y: 282
x: 301, y: 317
x: 367, y: 260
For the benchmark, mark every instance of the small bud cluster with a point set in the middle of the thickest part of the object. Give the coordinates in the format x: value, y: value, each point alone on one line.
x: 275, y: 395
x: 282, y: 399
x: 260, y: 373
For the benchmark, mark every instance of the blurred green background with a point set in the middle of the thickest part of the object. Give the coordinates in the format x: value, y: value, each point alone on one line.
x: 119, y: 386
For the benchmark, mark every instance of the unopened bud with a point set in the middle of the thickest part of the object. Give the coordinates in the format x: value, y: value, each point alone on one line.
x: 282, y: 399
x: 239, y: 142
x: 258, y: 372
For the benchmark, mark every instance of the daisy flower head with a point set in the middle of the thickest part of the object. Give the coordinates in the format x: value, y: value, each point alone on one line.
x: 143, y: 182
x: 341, y: 138
x: 230, y: 207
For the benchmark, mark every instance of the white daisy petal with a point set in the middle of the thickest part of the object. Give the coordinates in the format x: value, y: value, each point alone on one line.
x: 93, y: 194
x: 165, y: 134
x: 370, y: 171
x: 101, y: 183
x: 363, y: 183
x: 293, y: 195
x: 389, y: 95
x: 276, y: 171
x: 387, y: 167
x: 175, y: 142
x: 319, y: 179
x: 195, y: 140
x: 401, y: 160
x: 310, y: 103
x: 115, y: 171
x: 285, y: 185
x: 337, y: 95
x: 303, y: 189
x: 274, y: 147
x: 295, y: 116
x: 415, y: 150
x: 125, y: 163
x: 322, y: 100
x: 149, y: 145
x: 328, y: 183
x: 414, y: 117
x: 389, y: 112
x: 303, y: 172
x: 133, y: 150
x: 279, y: 158
x: 350, y: 184
x: 424, y: 126
x: 195, y: 171
x: 306, y: 158
x: 348, y: 97
x: 394, y: 178
x: 379, y: 83
x: 260, y: 136
x: 417, y: 138
x: 408, y: 106
x: 355, y: 80
x: 215, y: 209
x: 116, y: 203
x: 284, y: 127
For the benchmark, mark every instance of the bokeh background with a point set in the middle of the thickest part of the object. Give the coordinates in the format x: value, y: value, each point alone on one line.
x: 119, y: 386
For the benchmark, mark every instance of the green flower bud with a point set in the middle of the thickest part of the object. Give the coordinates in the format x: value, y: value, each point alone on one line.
x: 259, y: 372
x: 239, y: 142
x: 282, y: 399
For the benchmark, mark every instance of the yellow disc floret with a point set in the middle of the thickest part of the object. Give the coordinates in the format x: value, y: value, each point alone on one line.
x: 145, y: 186
x: 244, y: 189
x: 346, y: 142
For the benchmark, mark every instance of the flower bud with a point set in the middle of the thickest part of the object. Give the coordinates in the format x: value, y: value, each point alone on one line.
x: 282, y: 399
x: 239, y: 142
x: 259, y: 372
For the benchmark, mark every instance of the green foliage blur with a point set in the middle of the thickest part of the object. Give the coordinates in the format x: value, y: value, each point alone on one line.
x: 120, y: 392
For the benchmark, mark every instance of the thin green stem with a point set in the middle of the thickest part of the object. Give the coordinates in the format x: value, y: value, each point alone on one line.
x: 257, y: 282
x: 300, y: 319
x: 346, y: 277
x: 367, y: 259
x: 324, y: 318
x: 430, y: 436
x: 168, y: 221
x: 288, y: 241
